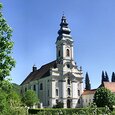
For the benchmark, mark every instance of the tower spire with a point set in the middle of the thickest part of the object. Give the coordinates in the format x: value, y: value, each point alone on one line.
x: 64, y: 30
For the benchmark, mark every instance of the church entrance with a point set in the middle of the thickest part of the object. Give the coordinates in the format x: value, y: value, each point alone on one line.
x: 68, y: 103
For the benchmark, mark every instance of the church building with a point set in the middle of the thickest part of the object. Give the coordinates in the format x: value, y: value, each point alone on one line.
x: 61, y: 79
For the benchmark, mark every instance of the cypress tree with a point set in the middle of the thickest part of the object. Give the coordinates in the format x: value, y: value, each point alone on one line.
x: 113, y: 77
x: 102, y: 77
x: 106, y: 77
x: 87, y: 82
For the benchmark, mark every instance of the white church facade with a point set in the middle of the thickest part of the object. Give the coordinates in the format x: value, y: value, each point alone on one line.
x: 61, y: 79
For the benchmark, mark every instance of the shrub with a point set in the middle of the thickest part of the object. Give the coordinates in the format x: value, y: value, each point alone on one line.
x: 58, y: 105
x: 69, y: 111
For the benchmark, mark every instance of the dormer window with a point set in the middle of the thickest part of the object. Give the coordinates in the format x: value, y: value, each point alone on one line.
x: 67, y: 52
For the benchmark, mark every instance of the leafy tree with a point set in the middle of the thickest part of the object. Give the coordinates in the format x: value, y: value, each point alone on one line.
x: 16, y: 88
x: 87, y: 82
x: 9, y: 100
x: 3, y: 102
x: 113, y: 77
x: 104, y: 97
x: 6, y: 45
x: 30, y: 98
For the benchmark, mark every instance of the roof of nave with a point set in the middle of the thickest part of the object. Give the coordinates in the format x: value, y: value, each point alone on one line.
x: 87, y: 92
x: 44, y: 71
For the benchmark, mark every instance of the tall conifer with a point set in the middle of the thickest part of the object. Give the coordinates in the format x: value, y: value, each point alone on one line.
x: 106, y: 77
x: 102, y: 77
x: 87, y: 82
x: 113, y: 77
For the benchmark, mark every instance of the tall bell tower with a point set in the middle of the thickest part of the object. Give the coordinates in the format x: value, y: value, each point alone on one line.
x: 64, y: 45
x: 69, y: 75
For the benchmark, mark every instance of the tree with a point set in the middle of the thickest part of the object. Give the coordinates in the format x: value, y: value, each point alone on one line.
x: 102, y: 77
x: 87, y: 82
x: 113, y: 77
x: 16, y: 88
x: 6, y: 45
x: 58, y: 105
x: 104, y: 97
x: 106, y: 77
x: 30, y: 98
x: 9, y: 100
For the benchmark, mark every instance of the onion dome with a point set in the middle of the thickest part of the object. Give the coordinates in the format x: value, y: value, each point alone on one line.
x: 64, y: 30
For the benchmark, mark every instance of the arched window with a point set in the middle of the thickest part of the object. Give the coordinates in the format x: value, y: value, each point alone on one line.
x: 67, y: 53
x: 41, y: 86
x: 56, y: 92
x: 78, y: 92
x: 68, y: 90
x: 68, y: 81
x: 25, y: 89
x: 34, y: 87
x: 68, y: 66
x: 78, y: 101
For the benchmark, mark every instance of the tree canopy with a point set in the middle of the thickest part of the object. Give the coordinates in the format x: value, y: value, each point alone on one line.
x: 30, y: 98
x: 6, y: 45
x: 104, y: 97
x: 10, y: 101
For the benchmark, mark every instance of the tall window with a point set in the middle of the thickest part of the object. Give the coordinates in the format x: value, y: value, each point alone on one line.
x: 79, y: 101
x: 68, y: 81
x: 56, y: 92
x: 34, y: 87
x: 68, y: 90
x: 78, y: 92
x: 41, y: 86
x: 67, y: 53
x: 25, y: 89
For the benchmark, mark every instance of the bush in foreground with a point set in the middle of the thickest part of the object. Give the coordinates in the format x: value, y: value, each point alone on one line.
x: 70, y: 111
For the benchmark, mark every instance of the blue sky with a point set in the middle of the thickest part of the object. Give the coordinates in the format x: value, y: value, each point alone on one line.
x: 35, y: 24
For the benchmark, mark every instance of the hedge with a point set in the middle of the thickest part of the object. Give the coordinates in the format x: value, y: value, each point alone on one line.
x: 68, y: 111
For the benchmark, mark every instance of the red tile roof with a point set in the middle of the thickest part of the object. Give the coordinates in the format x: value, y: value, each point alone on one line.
x: 86, y: 92
x: 44, y: 71
x: 110, y: 86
